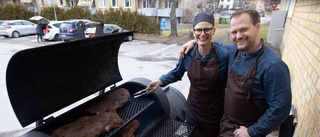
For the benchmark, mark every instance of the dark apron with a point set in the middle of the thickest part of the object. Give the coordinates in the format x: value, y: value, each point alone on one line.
x: 239, y: 110
x: 205, y: 99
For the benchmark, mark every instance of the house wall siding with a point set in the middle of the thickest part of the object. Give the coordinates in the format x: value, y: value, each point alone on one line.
x: 301, y: 52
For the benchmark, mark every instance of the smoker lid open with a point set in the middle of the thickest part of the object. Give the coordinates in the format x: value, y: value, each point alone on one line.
x: 41, y: 81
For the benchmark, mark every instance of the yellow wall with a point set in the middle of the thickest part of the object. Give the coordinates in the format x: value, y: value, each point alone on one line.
x: 302, y: 54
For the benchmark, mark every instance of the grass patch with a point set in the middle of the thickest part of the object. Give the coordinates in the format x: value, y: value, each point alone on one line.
x: 220, y: 25
x: 166, y: 33
x: 264, y: 32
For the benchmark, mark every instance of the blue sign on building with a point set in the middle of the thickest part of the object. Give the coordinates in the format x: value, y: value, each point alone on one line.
x: 163, y: 23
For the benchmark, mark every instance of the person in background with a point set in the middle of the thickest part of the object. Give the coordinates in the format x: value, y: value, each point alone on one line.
x: 206, y: 67
x: 39, y: 31
x: 258, y: 93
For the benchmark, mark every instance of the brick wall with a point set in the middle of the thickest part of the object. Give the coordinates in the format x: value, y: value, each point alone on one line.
x: 301, y: 52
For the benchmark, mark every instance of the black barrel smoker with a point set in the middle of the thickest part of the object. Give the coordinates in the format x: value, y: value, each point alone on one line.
x: 44, y: 80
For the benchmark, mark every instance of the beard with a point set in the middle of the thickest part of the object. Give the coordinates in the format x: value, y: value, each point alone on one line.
x: 245, y: 43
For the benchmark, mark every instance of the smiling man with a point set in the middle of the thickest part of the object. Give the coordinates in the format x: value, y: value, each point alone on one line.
x: 258, y: 93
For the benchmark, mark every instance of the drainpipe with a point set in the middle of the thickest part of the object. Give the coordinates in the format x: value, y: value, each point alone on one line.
x: 54, y: 10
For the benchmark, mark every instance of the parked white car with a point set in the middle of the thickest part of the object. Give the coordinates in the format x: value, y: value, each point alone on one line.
x: 52, y: 31
x: 17, y: 28
x: 107, y: 29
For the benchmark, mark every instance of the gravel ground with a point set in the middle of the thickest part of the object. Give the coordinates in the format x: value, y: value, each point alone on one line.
x: 154, y: 38
x: 182, y: 39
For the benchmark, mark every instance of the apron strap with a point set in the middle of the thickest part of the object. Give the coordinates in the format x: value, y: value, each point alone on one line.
x: 253, y: 71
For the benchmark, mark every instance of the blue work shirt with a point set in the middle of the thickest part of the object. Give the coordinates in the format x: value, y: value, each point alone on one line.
x: 271, y: 92
x: 184, y: 63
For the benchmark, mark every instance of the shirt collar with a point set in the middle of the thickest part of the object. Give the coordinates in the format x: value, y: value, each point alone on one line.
x: 208, y: 56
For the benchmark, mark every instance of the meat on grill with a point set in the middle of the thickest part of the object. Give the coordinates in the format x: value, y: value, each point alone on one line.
x: 104, y: 119
x: 87, y: 126
x: 130, y: 129
x: 115, y: 121
x: 110, y: 102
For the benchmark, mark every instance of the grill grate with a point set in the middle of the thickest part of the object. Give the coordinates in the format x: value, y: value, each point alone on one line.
x: 134, y: 107
x: 172, y: 128
x: 131, y: 110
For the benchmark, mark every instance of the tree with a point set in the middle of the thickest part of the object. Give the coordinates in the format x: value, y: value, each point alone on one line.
x: 173, y: 18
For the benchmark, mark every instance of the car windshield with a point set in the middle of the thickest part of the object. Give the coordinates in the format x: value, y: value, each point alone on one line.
x: 7, y: 23
x: 66, y: 25
x: 116, y: 27
x: 57, y: 25
x: 91, y: 30
x: 26, y: 23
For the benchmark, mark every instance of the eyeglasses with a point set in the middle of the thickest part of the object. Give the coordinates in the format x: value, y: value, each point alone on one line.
x: 199, y: 31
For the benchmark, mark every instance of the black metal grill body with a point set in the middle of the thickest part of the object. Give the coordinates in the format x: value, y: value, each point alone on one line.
x: 41, y: 81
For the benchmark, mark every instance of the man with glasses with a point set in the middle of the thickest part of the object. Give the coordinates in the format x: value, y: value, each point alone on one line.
x: 206, y: 65
x: 258, y: 93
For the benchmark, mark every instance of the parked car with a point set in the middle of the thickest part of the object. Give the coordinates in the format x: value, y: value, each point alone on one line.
x: 17, y: 28
x: 107, y: 29
x: 52, y: 31
x: 2, y: 21
x: 261, y: 12
x: 68, y: 29
x: 226, y: 13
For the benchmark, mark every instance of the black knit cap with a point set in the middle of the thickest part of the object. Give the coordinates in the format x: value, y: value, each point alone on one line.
x: 203, y: 17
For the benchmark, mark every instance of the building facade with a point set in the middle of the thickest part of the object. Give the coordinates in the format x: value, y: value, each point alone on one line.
x: 153, y: 8
x: 301, y: 51
x: 260, y: 4
x: 226, y: 4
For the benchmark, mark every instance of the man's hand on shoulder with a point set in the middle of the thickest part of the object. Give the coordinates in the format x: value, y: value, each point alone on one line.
x: 241, y: 132
x: 187, y: 47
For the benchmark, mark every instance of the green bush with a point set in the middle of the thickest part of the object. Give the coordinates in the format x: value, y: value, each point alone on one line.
x: 48, y: 13
x: 15, y: 11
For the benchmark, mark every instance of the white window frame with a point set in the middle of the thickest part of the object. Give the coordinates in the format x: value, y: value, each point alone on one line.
x: 41, y: 3
x: 51, y: 3
x: 114, y: 5
x: 129, y: 5
x: 60, y: 3
x: 167, y: 4
x: 148, y: 4
x: 102, y: 3
x: 145, y: 3
x: 290, y: 7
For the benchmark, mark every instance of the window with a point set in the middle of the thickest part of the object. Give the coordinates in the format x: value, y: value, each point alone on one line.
x: 167, y: 4
x: 144, y: 4
x: 114, y: 3
x: 41, y: 2
x: 60, y: 3
x: 127, y: 3
x: 25, y: 23
x: 149, y: 4
x: 50, y: 3
x: 102, y: 3
x: 290, y: 7
x: 17, y: 23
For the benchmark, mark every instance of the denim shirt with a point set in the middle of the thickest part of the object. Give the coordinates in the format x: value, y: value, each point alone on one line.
x: 184, y: 63
x: 271, y: 92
